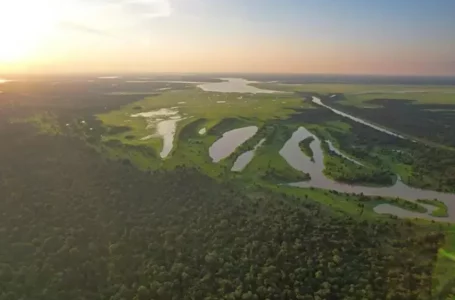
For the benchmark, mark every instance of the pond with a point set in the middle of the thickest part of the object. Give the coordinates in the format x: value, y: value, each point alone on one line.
x: 244, y: 159
x: 164, y: 129
x: 297, y: 159
x: 230, y: 140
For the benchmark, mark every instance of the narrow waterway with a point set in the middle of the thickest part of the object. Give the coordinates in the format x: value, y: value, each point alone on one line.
x: 338, y: 152
x: 292, y: 153
x: 297, y: 159
x: 318, y: 101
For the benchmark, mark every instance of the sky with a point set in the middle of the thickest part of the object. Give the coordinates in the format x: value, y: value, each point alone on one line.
x: 256, y: 36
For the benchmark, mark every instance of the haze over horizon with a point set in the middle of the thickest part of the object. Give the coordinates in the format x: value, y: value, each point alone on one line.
x: 257, y: 36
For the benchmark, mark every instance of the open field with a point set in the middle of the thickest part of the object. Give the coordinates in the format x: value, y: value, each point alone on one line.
x: 122, y: 134
x: 441, y: 208
x: 276, y: 116
x: 430, y: 97
x: 361, y: 92
x: 196, y: 104
x: 120, y: 211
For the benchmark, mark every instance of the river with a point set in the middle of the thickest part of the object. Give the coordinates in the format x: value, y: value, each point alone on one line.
x: 230, y: 140
x: 297, y: 159
x: 292, y: 153
x: 318, y: 101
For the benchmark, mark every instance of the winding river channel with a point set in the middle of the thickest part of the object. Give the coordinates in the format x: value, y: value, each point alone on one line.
x: 297, y: 159
x: 292, y: 153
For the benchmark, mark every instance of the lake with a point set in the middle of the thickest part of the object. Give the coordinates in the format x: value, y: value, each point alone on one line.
x: 230, y: 140
x: 244, y: 159
x: 234, y: 85
x: 292, y: 153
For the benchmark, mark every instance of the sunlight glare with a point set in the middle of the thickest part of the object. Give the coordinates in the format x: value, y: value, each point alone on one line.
x: 24, y: 24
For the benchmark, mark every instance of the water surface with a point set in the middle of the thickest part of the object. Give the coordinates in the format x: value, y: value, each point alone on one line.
x: 388, y: 209
x: 109, y: 77
x: 228, y: 85
x: 318, y: 101
x: 230, y: 140
x: 156, y: 113
x: 297, y: 159
x: 164, y: 128
x: 244, y: 159
x: 338, y: 152
x: 234, y: 85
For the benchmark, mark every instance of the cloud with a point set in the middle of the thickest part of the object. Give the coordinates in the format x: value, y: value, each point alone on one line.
x: 112, y: 17
x: 82, y: 28
x: 148, y: 8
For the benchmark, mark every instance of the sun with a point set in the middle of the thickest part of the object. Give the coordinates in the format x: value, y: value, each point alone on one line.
x: 24, y: 24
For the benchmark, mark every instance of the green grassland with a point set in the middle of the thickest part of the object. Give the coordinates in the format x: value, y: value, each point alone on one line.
x: 203, y: 110
x: 366, y: 89
x: 202, y: 104
x: 359, y: 94
x: 375, y: 169
x: 305, y: 147
x: 441, y: 210
x: 221, y: 112
x: 268, y: 165
x: 45, y: 123
x: 431, y: 97
x: 444, y: 272
x: 196, y: 104
x: 118, y: 135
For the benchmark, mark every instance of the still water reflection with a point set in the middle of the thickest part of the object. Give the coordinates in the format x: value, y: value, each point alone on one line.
x: 294, y: 156
x: 244, y: 159
x: 230, y: 140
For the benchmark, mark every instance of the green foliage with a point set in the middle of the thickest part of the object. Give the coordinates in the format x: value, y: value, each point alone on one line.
x: 305, y: 147
x: 268, y: 164
x: 440, y: 211
x: 344, y: 170
x: 76, y: 226
x: 443, y: 274
x: 360, y: 94
x: 408, y: 205
x: 45, y: 122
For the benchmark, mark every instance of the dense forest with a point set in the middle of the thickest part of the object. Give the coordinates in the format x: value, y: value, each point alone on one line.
x: 305, y: 147
x: 343, y: 170
x: 379, y: 149
x: 75, y: 225
x: 431, y: 122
